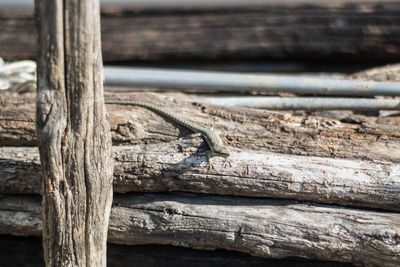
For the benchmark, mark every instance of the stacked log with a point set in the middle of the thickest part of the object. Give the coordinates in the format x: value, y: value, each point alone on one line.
x: 295, y: 185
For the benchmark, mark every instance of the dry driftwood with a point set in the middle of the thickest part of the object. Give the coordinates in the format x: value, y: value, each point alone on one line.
x: 355, y: 137
x: 317, y: 30
x: 177, y: 166
x: 261, y: 227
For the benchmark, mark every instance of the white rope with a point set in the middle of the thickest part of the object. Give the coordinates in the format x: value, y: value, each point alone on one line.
x: 15, y: 75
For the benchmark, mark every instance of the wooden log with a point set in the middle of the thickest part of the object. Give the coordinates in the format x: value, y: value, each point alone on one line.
x: 260, y: 227
x: 178, y: 166
x: 318, y: 30
x: 27, y: 252
x: 252, y: 135
x: 74, y: 139
x: 354, y: 137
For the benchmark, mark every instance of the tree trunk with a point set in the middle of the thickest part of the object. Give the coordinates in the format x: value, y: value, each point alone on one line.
x: 73, y: 134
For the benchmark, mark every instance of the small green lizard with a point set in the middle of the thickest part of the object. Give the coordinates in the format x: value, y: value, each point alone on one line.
x: 212, y: 138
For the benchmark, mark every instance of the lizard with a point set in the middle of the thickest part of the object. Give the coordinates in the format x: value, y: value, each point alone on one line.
x: 211, y: 137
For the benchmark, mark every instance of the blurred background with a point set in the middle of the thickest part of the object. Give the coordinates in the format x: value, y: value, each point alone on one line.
x: 255, y: 36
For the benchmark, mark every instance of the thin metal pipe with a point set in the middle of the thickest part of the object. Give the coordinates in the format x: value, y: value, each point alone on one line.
x: 177, y: 3
x: 225, y: 81
x: 304, y: 103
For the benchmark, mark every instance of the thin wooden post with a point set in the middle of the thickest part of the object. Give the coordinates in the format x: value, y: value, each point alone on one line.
x: 73, y: 133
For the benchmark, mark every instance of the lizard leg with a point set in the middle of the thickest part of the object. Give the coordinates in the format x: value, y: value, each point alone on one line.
x: 227, y: 162
x: 195, y: 135
x: 210, y: 161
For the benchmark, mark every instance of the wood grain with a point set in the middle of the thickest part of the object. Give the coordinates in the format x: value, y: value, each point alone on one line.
x: 260, y: 227
x: 349, y: 136
x: 182, y: 166
x: 73, y: 134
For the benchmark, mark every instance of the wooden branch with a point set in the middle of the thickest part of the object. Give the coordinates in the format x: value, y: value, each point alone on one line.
x: 182, y: 166
x: 261, y: 227
x: 73, y: 134
x: 354, y: 137
x: 344, y: 29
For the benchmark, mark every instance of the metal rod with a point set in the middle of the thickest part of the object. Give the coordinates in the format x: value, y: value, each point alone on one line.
x: 225, y: 81
x: 304, y: 103
x: 178, y: 3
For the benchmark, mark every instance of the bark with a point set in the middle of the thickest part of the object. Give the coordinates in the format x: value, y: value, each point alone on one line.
x: 260, y: 227
x: 73, y: 134
x: 352, y: 136
x: 341, y: 30
x: 182, y: 166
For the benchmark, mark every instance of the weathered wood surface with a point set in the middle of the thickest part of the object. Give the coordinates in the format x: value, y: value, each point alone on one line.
x: 260, y: 227
x: 355, y: 137
x: 26, y: 252
x: 338, y: 29
x: 182, y: 166
x: 73, y: 132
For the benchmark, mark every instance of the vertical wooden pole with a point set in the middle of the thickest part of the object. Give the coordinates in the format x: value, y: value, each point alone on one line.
x: 73, y: 133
